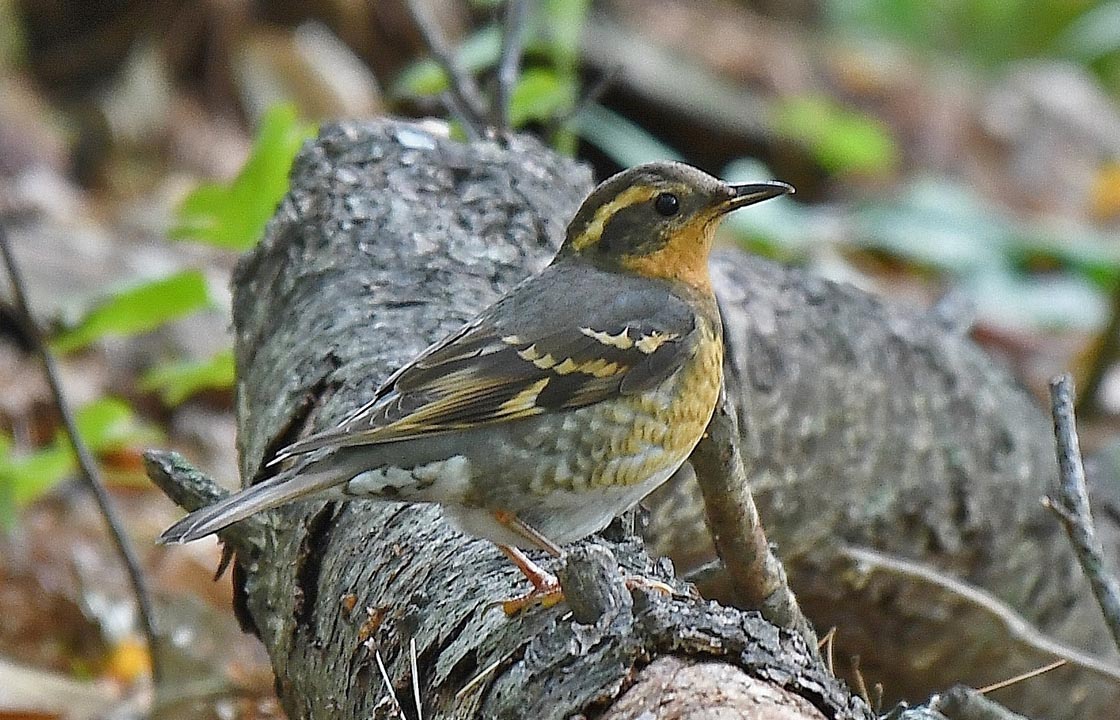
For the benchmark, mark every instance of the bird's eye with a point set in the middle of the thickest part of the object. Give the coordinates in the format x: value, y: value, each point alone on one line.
x: 667, y: 204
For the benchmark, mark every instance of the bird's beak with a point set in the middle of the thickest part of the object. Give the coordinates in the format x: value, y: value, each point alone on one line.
x: 751, y: 193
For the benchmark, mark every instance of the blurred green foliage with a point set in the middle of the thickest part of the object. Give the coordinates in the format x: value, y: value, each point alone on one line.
x: 106, y: 425
x: 545, y: 93
x: 842, y: 141
x: 622, y: 140
x: 1017, y: 272
x: 477, y: 52
x: 230, y: 216
x: 12, y: 42
x: 993, y: 32
x: 178, y: 380
x: 233, y: 215
x: 137, y: 309
x: 538, y: 96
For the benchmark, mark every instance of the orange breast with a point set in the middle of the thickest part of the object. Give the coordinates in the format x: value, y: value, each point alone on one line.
x: 665, y: 424
x: 697, y: 393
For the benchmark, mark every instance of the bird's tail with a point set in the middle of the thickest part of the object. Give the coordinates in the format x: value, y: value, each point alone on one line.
x: 284, y: 488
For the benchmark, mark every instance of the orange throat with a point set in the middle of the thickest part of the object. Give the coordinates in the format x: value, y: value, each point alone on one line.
x: 684, y: 258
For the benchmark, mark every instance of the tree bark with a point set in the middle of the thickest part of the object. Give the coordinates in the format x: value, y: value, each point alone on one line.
x: 391, y: 237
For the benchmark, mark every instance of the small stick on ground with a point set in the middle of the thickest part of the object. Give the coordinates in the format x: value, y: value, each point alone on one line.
x: 827, y: 643
x: 467, y: 97
x: 1072, y: 505
x: 861, y: 684
x: 87, y: 465
x: 1022, y: 677
x: 1017, y: 626
x: 736, y: 528
x: 415, y: 679
x: 391, y: 693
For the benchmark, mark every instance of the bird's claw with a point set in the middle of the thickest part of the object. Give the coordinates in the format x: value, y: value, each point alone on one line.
x: 545, y: 596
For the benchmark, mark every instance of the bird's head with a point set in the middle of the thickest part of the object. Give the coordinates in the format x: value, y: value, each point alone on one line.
x: 658, y: 220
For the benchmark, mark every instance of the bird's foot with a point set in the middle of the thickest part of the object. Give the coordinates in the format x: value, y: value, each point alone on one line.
x: 545, y: 595
x: 546, y: 590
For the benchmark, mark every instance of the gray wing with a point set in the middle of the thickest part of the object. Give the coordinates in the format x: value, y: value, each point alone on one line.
x: 542, y: 348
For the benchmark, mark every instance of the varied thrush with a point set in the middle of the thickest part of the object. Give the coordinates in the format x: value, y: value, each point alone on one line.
x: 562, y: 404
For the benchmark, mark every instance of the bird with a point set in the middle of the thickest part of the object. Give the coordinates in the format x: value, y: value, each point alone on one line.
x: 557, y: 408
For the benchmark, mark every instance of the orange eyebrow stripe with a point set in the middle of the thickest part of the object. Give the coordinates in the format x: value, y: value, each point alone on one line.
x: 626, y: 198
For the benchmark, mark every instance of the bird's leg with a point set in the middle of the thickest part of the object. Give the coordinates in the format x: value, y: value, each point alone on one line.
x: 546, y: 588
x: 528, y: 532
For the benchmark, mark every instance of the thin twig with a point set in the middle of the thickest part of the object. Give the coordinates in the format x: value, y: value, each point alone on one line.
x: 451, y: 101
x: 87, y: 465
x: 1021, y: 677
x: 478, y: 679
x: 592, y: 95
x: 513, y: 41
x: 1017, y: 626
x: 387, y: 681
x: 415, y: 678
x: 861, y: 684
x: 1073, y: 503
x: 463, y: 88
x: 827, y: 643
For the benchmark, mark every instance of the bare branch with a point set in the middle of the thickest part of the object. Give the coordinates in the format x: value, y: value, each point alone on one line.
x: 592, y: 94
x: 513, y: 41
x: 467, y: 97
x: 736, y: 528
x: 1017, y: 626
x: 451, y: 101
x: 1072, y: 505
x: 87, y: 465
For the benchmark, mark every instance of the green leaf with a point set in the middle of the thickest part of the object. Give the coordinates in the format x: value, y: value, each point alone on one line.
x: 426, y: 77
x: 13, y: 36
x: 105, y: 425
x: 842, y: 140
x: 110, y: 424
x: 137, y: 309
x: 540, y: 95
x: 234, y: 216
x: 938, y: 224
x: 27, y: 477
x: 175, y: 382
x: 1029, y: 303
